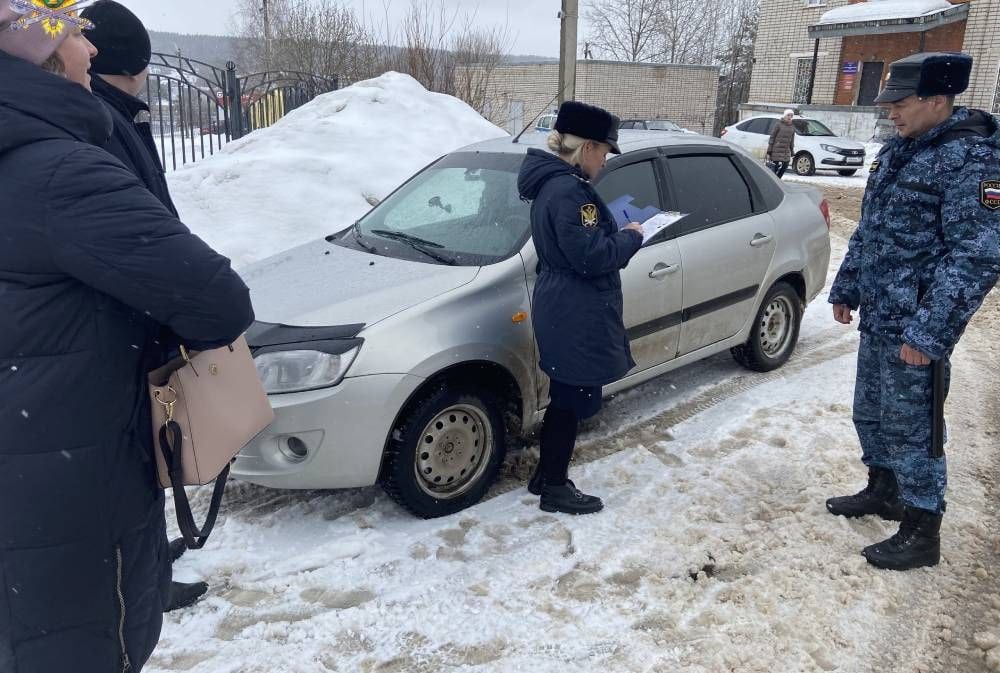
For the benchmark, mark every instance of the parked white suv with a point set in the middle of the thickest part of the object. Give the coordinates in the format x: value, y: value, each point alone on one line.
x: 816, y: 146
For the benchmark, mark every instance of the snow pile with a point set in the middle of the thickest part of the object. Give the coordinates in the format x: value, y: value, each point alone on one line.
x: 320, y: 168
x: 884, y: 10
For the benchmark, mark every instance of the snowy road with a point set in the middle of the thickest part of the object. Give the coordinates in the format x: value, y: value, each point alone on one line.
x: 715, y: 552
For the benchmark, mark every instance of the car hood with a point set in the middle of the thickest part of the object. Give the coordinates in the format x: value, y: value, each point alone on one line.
x: 321, y: 284
x: 835, y: 141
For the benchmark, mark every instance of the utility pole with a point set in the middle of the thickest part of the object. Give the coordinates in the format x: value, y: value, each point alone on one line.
x: 267, y: 35
x: 569, y: 16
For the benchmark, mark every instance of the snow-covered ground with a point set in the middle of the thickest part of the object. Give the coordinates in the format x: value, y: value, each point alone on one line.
x: 714, y: 554
x: 322, y: 166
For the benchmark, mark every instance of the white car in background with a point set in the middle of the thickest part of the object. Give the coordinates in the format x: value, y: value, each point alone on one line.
x: 816, y: 146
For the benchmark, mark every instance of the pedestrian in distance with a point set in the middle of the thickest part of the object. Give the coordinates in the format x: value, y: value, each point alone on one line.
x: 577, y: 303
x: 93, y: 268
x: 781, y: 145
x: 925, y: 255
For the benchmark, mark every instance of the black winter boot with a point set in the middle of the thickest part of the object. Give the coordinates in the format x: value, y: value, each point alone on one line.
x: 182, y: 595
x: 917, y: 544
x: 537, y: 482
x: 880, y: 497
x: 177, y: 549
x: 569, y: 500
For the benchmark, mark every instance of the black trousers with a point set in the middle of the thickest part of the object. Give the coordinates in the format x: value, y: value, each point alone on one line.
x: 557, y: 440
x: 780, y: 167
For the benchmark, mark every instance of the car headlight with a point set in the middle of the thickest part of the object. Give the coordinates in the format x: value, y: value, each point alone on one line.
x: 295, y: 371
x: 832, y: 149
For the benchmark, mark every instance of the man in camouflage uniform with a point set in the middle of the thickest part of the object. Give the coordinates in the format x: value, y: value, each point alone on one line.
x: 925, y: 255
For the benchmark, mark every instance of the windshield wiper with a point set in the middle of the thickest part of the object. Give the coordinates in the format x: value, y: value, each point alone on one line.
x: 357, y: 237
x: 417, y: 243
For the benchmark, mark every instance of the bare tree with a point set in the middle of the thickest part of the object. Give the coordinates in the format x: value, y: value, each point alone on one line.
x: 318, y: 36
x: 737, y: 61
x: 625, y: 30
x: 476, y: 54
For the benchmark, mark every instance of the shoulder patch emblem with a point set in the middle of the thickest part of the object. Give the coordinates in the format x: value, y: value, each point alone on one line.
x: 589, y: 215
x: 989, y: 194
x: 875, y: 165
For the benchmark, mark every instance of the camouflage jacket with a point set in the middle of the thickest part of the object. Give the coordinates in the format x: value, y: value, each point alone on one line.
x: 927, y: 250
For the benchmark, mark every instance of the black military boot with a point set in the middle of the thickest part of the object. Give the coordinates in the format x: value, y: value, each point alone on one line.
x: 182, y: 595
x: 880, y: 497
x: 569, y: 500
x: 917, y: 544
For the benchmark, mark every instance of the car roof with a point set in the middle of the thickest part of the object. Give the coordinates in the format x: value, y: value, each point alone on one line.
x: 628, y: 141
x: 776, y: 116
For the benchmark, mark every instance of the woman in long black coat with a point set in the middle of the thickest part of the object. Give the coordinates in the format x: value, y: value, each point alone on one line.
x: 577, y: 303
x: 92, y: 269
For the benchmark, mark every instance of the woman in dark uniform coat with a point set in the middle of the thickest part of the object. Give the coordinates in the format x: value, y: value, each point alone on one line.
x: 577, y: 305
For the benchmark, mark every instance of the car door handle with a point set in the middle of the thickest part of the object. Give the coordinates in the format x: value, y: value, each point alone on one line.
x: 760, y: 239
x: 659, y: 271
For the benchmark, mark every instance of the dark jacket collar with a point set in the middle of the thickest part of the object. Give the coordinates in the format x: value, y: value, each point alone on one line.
x: 36, y: 105
x: 128, y: 105
x: 538, y: 168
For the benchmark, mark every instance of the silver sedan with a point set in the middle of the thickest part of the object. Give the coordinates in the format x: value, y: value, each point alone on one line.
x: 400, y: 351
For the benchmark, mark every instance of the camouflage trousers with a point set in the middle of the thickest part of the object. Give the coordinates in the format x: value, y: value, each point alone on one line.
x: 893, y: 414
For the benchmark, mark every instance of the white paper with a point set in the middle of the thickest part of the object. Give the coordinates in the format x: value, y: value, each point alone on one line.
x: 658, y: 223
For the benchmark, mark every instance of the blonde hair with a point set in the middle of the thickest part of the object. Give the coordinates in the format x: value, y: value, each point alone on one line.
x: 567, y: 146
x: 55, y: 65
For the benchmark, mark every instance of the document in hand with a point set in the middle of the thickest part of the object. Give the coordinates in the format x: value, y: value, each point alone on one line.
x: 658, y: 223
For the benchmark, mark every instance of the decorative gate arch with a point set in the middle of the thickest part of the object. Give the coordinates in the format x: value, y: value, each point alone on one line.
x: 196, y: 108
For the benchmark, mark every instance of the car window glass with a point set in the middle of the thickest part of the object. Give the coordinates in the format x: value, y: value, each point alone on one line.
x: 466, y: 206
x: 811, y: 127
x: 745, y: 126
x: 662, y: 125
x: 631, y: 189
x: 759, y: 126
x: 710, y: 189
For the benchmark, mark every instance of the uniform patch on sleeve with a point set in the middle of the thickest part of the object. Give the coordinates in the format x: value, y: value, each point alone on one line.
x: 589, y: 215
x: 989, y: 194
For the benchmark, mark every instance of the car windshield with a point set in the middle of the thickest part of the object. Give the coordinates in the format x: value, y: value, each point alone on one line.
x: 811, y: 127
x: 662, y: 125
x: 464, y: 210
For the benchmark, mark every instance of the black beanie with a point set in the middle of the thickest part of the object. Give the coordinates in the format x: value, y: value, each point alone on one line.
x: 122, y: 41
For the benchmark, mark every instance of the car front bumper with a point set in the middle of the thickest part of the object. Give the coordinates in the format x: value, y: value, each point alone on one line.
x: 342, y: 432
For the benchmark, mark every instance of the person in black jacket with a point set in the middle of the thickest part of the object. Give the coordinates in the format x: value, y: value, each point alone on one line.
x: 118, y: 74
x: 92, y: 268
x: 577, y: 304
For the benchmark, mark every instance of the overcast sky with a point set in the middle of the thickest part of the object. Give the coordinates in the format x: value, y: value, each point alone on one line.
x: 533, y: 23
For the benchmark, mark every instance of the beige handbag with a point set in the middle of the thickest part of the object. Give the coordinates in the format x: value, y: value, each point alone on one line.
x: 206, y: 407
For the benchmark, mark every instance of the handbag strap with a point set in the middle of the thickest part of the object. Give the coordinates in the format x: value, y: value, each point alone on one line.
x: 171, y: 438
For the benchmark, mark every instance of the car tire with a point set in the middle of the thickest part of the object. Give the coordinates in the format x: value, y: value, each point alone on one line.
x: 804, y: 164
x: 849, y: 173
x: 446, y: 450
x: 775, y: 330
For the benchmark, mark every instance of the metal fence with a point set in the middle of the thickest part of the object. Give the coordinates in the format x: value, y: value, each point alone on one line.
x: 196, y: 108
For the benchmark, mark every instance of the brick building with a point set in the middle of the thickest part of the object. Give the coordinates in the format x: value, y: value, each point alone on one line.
x: 684, y: 94
x: 854, y: 42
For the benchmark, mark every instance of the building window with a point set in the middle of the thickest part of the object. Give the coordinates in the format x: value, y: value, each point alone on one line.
x: 803, y: 69
x: 815, y: 3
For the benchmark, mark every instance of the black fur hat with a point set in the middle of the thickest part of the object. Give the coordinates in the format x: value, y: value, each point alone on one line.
x: 590, y: 122
x: 928, y: 74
